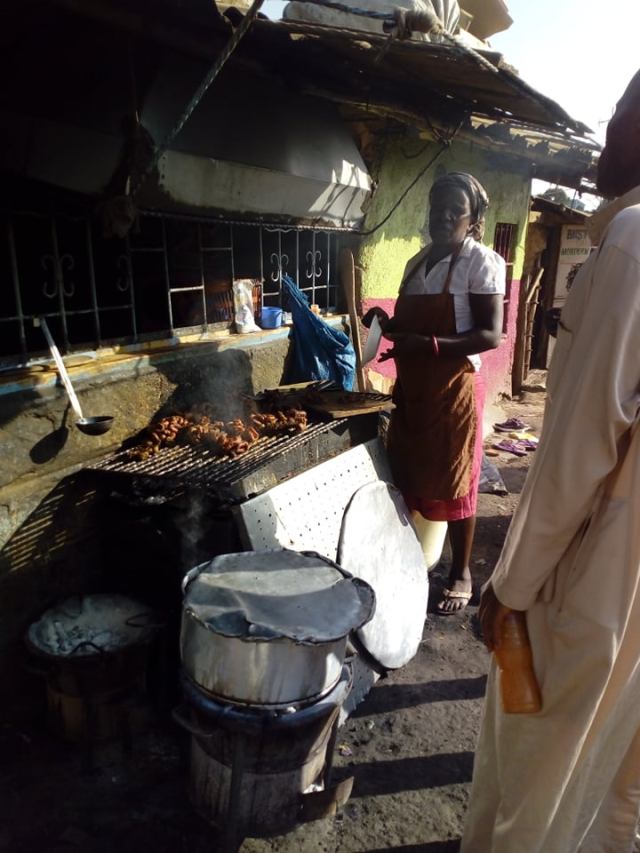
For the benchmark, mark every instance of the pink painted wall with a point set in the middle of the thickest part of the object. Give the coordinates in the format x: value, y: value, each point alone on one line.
x: 496, y: 364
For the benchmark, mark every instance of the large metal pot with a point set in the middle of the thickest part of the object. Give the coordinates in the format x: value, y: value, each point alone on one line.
x: 270, y: 628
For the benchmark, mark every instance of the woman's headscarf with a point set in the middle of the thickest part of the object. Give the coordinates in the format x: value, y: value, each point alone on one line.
x: 478, y: 198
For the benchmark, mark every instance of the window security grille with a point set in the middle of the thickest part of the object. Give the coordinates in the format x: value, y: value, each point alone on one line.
x: 504, y: 242
x: 171, y: 276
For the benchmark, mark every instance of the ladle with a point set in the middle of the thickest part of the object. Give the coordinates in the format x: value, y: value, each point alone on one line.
x: 90, y: 426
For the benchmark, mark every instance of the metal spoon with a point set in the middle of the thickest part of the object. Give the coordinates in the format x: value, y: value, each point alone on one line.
x: 90, y: 426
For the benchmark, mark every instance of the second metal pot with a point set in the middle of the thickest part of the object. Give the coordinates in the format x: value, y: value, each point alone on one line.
x: 267, y: 672
x: 270, y: 629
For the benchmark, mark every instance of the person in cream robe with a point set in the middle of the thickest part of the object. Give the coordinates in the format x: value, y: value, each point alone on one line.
x: 567, y: 779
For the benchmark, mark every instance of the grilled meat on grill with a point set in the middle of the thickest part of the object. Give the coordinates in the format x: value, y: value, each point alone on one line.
x: 231, y: 439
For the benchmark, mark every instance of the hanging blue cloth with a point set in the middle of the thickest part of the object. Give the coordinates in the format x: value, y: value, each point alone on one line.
x: 319, y: 351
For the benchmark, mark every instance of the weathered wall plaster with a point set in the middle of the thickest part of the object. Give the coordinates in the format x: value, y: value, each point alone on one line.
x: 39, y: 439
x: 384, y: 254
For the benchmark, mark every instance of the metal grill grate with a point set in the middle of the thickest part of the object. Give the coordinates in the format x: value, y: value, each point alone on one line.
x: 231, y: 480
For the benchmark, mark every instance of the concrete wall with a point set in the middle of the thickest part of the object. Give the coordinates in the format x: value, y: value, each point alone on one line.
x: 384, y: 254
x: 41, y: 445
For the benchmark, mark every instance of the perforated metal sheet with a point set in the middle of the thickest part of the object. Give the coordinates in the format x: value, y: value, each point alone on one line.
x: 305, y: 513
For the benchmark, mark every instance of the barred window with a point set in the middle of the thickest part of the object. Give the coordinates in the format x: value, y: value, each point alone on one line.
x: 504, y: 243
x: 172, y: 276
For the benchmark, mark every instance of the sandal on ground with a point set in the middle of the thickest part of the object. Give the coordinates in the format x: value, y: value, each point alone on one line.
x: 511, y: 424
x: 510, y: 447
x: 448, y: 595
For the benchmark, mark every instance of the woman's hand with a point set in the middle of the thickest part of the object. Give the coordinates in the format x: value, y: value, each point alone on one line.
x: 380, y: 313
x: 387, y: 354
x: 407, y: 343
x: 492, y: 614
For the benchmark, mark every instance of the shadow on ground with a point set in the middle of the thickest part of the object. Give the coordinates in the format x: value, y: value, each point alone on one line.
x: 393, y: 697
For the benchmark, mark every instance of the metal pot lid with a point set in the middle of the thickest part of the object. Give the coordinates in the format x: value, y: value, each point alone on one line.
x: 378, y: 543
x: 90, y: 625
x: 269, y: 595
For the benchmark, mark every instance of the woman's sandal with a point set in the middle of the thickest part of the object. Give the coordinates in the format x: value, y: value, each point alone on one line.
x: 448, y: 595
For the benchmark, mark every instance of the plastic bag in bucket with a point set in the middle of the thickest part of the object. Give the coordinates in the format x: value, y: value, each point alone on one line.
x: 319, y: 351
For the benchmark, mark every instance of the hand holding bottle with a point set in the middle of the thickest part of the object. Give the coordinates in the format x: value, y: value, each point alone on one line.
x: 505, y: 634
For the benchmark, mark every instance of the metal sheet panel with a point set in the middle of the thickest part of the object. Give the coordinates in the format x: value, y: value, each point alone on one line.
x: 305, y: 513
x: 256, y: 124
x: 198, y: 184
x: 81, y: 159
x: 378, y: 543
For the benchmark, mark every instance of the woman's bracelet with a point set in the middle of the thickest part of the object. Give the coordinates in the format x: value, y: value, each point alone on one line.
x: 436, y: 345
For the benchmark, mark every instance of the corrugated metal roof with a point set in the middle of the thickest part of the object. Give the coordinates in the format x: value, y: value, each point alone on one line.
x: 440, y: 79
x: 446, y: 80
x: 569, y: 214
x: 420, y: 84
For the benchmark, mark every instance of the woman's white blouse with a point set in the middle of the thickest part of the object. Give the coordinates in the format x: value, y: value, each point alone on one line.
x: 477, y: 270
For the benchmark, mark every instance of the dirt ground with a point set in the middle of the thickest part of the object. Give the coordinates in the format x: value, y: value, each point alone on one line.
x: 409, y: 747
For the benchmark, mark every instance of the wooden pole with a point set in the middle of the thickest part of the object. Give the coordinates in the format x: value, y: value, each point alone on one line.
x: 517, y: 370
x: 348, y: 280
x: 522, y: 352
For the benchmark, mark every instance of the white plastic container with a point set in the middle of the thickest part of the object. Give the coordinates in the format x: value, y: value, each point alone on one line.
x: 432, y: 536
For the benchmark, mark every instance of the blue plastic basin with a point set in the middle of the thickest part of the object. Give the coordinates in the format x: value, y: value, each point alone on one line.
x: 271, y: 318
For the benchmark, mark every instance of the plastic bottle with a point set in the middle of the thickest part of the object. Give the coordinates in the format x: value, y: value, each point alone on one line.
x: 518, y: 684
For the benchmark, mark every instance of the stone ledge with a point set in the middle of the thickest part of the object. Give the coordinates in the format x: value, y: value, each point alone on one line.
x: 109, y: 364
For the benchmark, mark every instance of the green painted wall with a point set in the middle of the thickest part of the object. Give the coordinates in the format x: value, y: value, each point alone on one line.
x: 384, y: 254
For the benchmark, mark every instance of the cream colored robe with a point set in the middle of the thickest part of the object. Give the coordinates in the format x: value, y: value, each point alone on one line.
x: 568, y: 779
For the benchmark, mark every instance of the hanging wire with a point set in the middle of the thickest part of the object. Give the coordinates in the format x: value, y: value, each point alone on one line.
x: 420, y: 150
x: 444, y: 144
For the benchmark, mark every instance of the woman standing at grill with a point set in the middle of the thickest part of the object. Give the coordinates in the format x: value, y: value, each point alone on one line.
x: 448, y: 310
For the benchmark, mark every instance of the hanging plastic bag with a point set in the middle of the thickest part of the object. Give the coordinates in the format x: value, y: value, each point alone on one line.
x: 243, y: 305
x: 319, y: 351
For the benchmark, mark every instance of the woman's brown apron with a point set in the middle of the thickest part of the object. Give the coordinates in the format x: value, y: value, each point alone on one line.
x: 433, y: 427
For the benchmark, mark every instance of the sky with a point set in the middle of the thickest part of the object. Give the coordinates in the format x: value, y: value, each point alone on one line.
x: 581, y: 53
